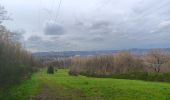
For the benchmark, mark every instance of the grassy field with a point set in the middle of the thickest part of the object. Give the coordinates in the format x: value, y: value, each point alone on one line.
x: 61, y: 86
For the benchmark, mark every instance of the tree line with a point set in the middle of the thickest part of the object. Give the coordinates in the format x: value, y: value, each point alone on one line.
x: 16, y: 63
x: 153, y: 66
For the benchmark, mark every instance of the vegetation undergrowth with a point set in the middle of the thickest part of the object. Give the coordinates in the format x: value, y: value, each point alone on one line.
x: 157, y: 77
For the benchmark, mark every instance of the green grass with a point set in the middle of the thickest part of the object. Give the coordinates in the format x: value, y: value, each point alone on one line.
x: 62, y: 85
x: 22, y: 91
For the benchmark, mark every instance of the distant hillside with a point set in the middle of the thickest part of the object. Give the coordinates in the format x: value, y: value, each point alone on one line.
x: 66, y: 54
x: 73, y: 53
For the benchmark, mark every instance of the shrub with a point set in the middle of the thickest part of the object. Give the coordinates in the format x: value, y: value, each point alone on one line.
x: 73, y: 73
x: 50, y: 70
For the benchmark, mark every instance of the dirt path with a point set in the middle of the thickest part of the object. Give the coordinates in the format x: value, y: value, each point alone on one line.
x: 49, y: 93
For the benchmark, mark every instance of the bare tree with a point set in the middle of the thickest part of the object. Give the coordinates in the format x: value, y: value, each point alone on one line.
x: 156, y: 58
x: 120, y: 63
x: 3, y: 14
x: 16, y: 63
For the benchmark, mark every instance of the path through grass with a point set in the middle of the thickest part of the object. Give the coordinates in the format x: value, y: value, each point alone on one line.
x: 61, y: 86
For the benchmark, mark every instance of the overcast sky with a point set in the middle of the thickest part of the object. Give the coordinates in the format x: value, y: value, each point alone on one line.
x: 90, y: 24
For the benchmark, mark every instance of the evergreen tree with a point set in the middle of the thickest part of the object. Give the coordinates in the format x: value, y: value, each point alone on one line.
x: 50, y: 70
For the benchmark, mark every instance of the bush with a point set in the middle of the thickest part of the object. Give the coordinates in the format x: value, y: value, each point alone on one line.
x: 50, y: 70
x: 73, y: 73
x: 158, y: 77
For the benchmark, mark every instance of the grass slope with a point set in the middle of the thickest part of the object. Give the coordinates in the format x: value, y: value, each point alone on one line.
x: 65, y: 87
x: 23, y: 91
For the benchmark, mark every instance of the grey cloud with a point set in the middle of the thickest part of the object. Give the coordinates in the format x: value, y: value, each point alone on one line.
x: 100, y: 24
x: 52, y: 28
x: 108, y: 24
x: 97, y: 39
x: 95, y: 27
x: 165, y: 25
x: 37, y: 43
x: 34, y: 38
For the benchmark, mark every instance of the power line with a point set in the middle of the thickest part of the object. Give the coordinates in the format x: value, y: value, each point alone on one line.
x: 58, y: 10
x: 52, y: 8
x: 39, y: 14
